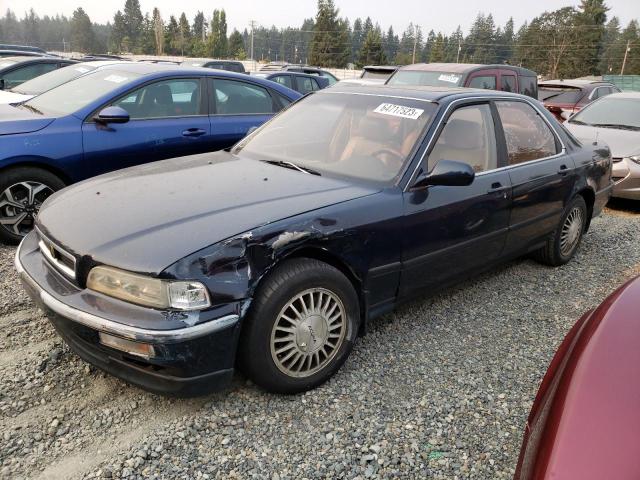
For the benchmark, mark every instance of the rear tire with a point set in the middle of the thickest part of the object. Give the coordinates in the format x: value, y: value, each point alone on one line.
x: 563, y: 243
x: 300, y: 328
x: 22, y: 192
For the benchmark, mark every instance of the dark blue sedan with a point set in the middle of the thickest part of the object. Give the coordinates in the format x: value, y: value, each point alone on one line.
x: 273, y: 257
x: 117, y: 117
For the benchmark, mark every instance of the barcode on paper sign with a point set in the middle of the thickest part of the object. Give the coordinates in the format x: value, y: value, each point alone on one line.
x: 399, y: 111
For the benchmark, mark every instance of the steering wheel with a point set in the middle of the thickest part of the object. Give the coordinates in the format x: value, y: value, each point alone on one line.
x: 379, y: 154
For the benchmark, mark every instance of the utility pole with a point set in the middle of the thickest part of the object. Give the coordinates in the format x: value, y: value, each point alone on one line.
x: 626, y: 52
x: 253, y: 25
x: 415, y: 42
x: 459, y: 48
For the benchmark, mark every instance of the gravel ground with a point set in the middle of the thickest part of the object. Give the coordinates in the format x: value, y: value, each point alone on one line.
x: 439, y: 389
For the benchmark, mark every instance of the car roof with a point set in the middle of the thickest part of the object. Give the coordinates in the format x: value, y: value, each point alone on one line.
x: 629, y: 95
x: 191, y: 61
x: 427, y: 93
x: 29, y: 58
x: 463, y: 67
x: 285, y: 72
x: 573, y: 83
x: 105, y: 63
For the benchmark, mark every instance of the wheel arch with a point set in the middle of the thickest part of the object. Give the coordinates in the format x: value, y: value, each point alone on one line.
x: 323, y: 255
x: 36, y: 162
x: 589, y: 197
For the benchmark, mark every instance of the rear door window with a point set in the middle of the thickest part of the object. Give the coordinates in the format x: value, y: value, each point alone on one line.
x: 233, y: 97
x: 487, y: 82
x: 559, y: 94
x: 508, y: 83
x: 283, y: 80
x: 527, y: 136
x: 468, y: 137
x: 307, y: 85
x: 529, y: 86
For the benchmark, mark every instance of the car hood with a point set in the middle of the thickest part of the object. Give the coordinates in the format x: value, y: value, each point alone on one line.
x: 623, y: 143
x: 11, y: 97
x: 14, y: 120
x: 145, y: 218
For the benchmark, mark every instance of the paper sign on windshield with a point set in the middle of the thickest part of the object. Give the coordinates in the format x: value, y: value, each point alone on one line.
x: 399, y: 111
x: 115, y: 78
x: 449, y: 78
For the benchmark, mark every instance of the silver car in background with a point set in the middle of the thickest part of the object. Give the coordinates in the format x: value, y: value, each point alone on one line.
x: 615, y: 120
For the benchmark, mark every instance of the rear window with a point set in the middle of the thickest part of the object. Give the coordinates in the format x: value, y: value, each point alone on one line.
x: 529, y: 86
x: 431, y: 79
x: 379, y: 74
x: 559, y: 94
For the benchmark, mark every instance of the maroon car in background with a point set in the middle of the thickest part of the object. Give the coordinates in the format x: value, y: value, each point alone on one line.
x: 506, y: 78
x: 585, y: 420
x: 563, y: 98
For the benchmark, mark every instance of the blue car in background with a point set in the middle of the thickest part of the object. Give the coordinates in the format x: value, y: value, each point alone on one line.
x: 300, y: 82
x: 117, y: 117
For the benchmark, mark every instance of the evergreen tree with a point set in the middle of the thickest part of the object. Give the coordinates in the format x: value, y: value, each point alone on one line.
x: 133, y: 22
x: 438, y: 50
x: 82, y: 36
x: 158, y: 31
x: 391, y: 44
x: 372, y: 52
x: 236, y: 45
x: 171, y: 37
x: 217, y: 41
x: 357, y: 37
x: 118, y: 33
x: 30, y: 28
x: 184, y: 34
x: 590, y: 22
x: 330, y: 39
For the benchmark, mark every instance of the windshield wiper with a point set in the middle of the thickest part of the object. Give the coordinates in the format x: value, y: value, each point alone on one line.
x: 579, y: 122
x: 29, y: 107
x: 292, y: 166
x: 615, y: 125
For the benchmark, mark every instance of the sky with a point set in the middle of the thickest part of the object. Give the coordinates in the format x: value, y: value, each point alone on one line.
x: 439, y: 15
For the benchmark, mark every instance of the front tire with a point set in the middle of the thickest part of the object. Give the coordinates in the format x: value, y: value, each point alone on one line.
x: 22, y: 192
x: 565, y: 240
x: 301, y: 327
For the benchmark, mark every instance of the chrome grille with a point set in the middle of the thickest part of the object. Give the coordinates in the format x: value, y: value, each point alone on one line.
x: 57, y: 257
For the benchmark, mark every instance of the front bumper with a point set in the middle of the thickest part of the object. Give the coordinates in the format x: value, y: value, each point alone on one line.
x: 187, y: 360
x: 627, y: 175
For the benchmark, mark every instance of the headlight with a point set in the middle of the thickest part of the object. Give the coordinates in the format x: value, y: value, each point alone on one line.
x: 147, y: 291
x: 635, y: 158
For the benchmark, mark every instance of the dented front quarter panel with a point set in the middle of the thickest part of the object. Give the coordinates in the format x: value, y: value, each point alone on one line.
x: 360, y: 235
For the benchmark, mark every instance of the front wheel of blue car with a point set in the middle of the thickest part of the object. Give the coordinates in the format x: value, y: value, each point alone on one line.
x: 301, y: 327
x: 22, y: 192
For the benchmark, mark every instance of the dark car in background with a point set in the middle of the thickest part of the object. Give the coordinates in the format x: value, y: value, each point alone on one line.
x: 22, y: 48
x: 563, y: 98
x: 16, y: 70
x: 118, y: 116
x: 288, y: 67
x: 228, y: 65
x: 273, y: 257
x: 505, y: 78
x: 585, y: 420
x: 300, y: 82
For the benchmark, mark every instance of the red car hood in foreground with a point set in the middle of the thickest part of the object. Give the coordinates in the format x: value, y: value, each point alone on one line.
x: 585, y: 421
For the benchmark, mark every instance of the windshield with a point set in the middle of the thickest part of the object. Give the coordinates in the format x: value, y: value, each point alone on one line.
x: 76, y: 94
x: 378, y: 74
x: 610, y: 112
x: 368, y: 137
x: 50, y: 80
x: 431, y: 79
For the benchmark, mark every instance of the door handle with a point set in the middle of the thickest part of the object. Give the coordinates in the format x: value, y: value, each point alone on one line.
x: 193, y: 132
x: 497, y: 187
x: 563, y: 170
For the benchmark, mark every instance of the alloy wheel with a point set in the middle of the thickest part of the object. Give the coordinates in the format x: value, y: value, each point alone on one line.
x: 571, y: 231
x: 19, y: 206
x: 308, y: 332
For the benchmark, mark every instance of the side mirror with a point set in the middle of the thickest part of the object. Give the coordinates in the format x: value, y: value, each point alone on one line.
x: 448, y: 173
x: 112, y: 115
